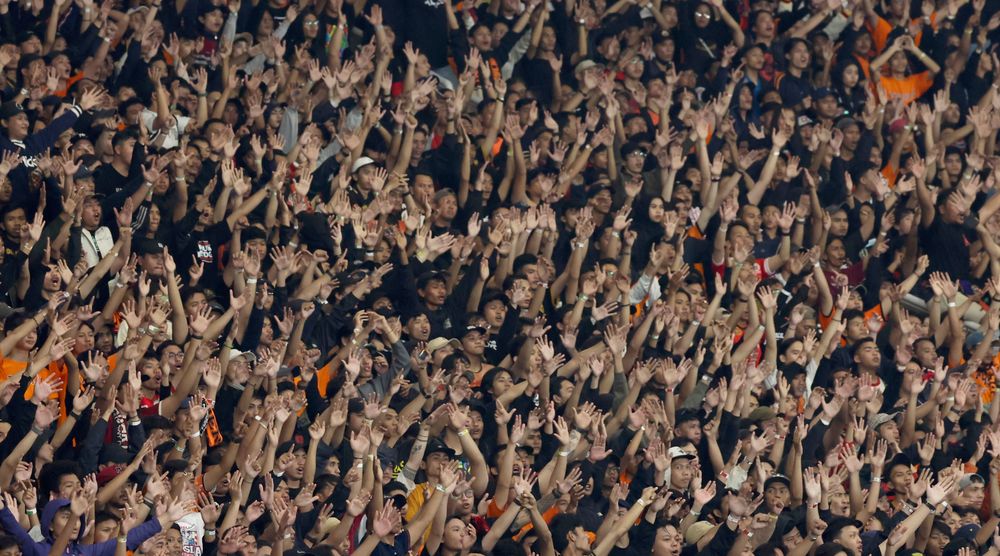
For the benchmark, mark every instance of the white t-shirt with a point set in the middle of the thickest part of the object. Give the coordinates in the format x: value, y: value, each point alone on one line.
x: 168, y: 137
x: 192, y: 532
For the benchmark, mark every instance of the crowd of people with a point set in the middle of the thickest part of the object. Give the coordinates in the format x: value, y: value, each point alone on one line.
x: 511, y: 277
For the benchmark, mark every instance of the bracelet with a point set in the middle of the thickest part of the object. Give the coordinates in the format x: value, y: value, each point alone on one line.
x: 463, y: 432
x: 179, y: 448
x: 149, y: 502
x: 135, y: 422
x: 564, y: 453
x: 641, y: 502
x: 30, y: 511
x: 439, y: 488
x: 876, y: 480
x: 251, y: 281
x: 74, y: 414
x: 197, y: 336
x: 37, y: 430
x: 121, y: 285
x: 210, y: 532
x: 123, y: 539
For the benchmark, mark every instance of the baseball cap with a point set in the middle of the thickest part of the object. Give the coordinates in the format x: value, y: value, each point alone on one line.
x: 836, y: 525
x: 438, y: 343
x: 881, y: 419
x: 584, y: 65
x: 473, y: 328
x: 234, y: 353
x: 10, y: 109
x: 777, y: 478
x: 149, y: 247
x: 361, y: 163
x: 676, y: 452
x: 696, y: 531
x: 970, y: 478
x: 435, y: 446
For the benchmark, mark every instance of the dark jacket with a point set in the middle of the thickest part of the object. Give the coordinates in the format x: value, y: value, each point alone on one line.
x: 136, y: 536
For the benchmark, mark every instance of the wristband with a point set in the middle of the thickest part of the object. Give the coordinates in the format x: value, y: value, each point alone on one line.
x: 123, y: 540
x: 439, y: 488
x: 37, y: 430
x: 463, y: 432
x: 251, y: 281
x: 564, y: 453
x: 30, y: 511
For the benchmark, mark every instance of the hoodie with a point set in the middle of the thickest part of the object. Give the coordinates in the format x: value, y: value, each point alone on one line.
x: 136, y: 536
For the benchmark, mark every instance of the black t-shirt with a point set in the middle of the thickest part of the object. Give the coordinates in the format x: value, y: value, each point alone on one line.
x: 204, y: 246
x: 433, y: 26
x: 947, y: 246
x: 107, y: 180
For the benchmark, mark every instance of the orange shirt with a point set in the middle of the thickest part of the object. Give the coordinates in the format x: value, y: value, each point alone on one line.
x: 909, y: 88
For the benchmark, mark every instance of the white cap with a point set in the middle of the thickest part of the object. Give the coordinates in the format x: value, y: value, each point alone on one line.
x: 361, y: 163
x: 234, y: 353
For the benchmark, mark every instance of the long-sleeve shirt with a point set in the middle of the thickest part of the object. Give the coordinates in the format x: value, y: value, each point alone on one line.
x: 30, y: 547
x: 379, y: 384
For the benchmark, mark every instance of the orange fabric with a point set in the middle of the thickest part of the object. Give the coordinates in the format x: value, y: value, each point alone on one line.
x: 890, y: 173
x: 57, y: 368
x: 494, y: 511
x: 866, y: 66
x: 212, y: 433
x: 323, y: 377
x: 909, y: 88
x: 880, y: 33
x: 70, y: 81
x: 11, y: 367
x: 547, y: 516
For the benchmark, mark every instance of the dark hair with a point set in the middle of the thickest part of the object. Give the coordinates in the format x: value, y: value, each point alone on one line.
x: 103, y: 516
x: 832, y: 549
x: 561, y: 526
x: 48, y: 479
x: 7, y: 541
